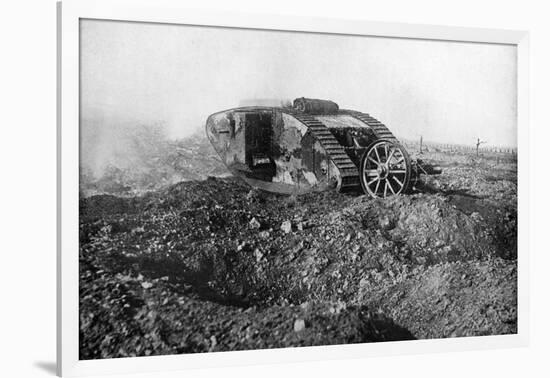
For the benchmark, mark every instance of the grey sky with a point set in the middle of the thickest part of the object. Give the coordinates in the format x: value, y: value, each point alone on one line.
x: 446, y: 91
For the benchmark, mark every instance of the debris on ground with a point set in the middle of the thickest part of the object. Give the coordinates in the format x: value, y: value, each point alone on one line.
x: 204, y: 265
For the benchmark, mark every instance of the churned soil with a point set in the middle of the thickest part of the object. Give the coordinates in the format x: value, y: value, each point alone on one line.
x: 214, y: 265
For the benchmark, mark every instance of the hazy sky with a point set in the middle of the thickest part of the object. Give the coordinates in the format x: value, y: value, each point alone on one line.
x: 446, y: 91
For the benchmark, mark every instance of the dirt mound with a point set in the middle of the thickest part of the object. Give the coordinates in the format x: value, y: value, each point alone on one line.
x: 128, y: 315
x: 214, y: 265
x: 451, y: 300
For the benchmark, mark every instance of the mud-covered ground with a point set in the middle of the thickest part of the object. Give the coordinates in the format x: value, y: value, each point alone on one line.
x: 212, y: 265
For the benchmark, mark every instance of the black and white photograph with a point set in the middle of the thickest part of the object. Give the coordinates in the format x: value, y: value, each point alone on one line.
x: 245, y: 189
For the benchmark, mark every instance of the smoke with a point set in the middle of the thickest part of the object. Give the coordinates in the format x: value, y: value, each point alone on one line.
x: 448, y: 92
x: 127, y: 157
x: 123, y: 144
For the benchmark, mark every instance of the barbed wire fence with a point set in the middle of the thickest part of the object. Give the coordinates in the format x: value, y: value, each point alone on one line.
x: 449, y: 147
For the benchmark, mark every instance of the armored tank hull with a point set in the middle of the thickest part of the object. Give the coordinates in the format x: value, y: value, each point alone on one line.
x: 312, y: 146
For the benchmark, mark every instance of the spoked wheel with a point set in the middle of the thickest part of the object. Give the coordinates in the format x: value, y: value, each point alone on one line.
x: 385, y: 169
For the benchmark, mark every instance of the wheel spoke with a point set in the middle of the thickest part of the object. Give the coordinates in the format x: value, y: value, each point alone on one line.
x: 391, y: 154
x: 373, y: 181
x: 398, y: 171
x: 374, y: 161
x: 377, y: 186
x: 391, y: 187
x: 377, y: 155
x: 385, y: 188
x: 399, y: 182
x: 371, y: 172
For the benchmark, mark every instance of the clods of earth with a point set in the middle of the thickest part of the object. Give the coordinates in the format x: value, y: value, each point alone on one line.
x: 214, y: 265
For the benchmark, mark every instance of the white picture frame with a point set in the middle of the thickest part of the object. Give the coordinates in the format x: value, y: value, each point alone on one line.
x: 69, y: 14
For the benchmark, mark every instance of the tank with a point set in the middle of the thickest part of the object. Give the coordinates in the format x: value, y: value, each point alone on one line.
x: 313, y: 145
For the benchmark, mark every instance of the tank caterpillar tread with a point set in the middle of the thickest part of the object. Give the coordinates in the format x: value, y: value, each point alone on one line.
x: 349, y: 173
x: 379, y: 129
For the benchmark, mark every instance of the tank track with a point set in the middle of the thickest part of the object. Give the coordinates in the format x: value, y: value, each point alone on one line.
x: 348, y: 170
x: 380, y: 130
